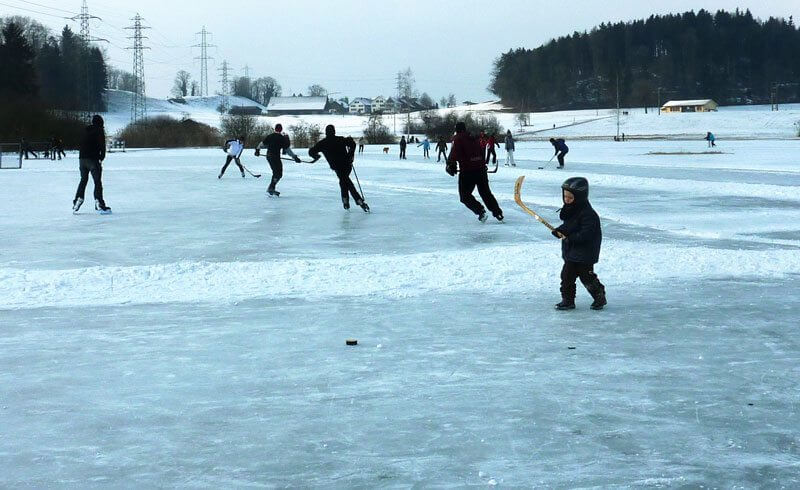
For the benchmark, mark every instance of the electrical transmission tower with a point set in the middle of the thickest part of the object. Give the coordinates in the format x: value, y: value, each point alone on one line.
x: 204, y: 35
x: 84, y: 17
x: 139, y: 100
x: 225, y: 85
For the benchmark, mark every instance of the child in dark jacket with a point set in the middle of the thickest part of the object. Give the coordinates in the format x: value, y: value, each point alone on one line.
x: 580, y: 244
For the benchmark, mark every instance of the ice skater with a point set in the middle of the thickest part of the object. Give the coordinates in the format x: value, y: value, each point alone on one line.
x: 510, y: 149
x: 403, y: 145
x: 580, y: 236
x: 339, y: 152
x: 25, y: 148
x: 441, y: 149
x: 426, y: 148
x: 711, y: 138
x: 561, y: 150
x: 360, y: 145
x: 276, y: 143
x: 234, y: 149
x: 491, y: 143
x: 468, y: 154
x: 92, y: 154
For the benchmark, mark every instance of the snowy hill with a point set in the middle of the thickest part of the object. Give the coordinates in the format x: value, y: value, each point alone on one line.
x: 202, y: 109
x: 734, y: 122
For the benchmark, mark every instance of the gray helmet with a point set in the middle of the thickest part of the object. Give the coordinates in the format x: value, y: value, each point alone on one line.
x: 578, y: 186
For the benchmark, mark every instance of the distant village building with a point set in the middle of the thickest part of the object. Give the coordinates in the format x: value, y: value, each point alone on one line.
x: 379, y: 104
x: 360, y: 105
x: 700, y: 105
x: 286, y: 106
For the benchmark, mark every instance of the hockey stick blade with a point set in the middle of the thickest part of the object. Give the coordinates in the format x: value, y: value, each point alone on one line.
x: 518, y: 199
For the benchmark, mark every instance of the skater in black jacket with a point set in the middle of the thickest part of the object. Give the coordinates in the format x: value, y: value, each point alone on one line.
x: 403, y: 145
x: 580, y: 244
x: 276, y: 143
x: 441, y: 149
x: 339, y: 152
x: 92, y: 154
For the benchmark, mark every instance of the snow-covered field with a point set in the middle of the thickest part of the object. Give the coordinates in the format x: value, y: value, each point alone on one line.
x: 196, y: 337
x: 733, y: 122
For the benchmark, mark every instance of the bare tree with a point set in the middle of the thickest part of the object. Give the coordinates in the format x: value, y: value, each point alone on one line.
x: 317, y: 90
x: 265, y: 88
x: 182, y: 84
x: 195, y: 90
x: 405, y: 83
x: 451, y: 100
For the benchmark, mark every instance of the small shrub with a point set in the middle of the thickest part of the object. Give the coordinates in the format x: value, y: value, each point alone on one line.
x: 435, y: 126
x: 165, y: 132
x: 304, y: 135
x: 376, y: 132
x: 244, y: 125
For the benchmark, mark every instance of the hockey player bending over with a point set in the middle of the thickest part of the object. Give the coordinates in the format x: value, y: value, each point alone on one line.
x: 339, y: 152
x: 234, y: 149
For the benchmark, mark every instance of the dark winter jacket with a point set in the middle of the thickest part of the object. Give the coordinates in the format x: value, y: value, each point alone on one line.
x: 560, y: 145
x: 93, y: 144
x: 468, y: 152
x: 403, y: 143
x: 275, y: 143
x: 582, y: 228
x: 441, y: 146
x: 338, y: 150
x: 509, y: 143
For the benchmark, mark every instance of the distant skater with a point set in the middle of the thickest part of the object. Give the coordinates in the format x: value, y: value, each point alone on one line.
x: 403, y: 145
x: 561, y: 149
x: 441, y: 149
x: 234, y: 149
x: 92, y: 154
x: 426, y: 147
x: 491, y: 143
x: 25, y: 148
x: 467, y: 153
x: 510, y: 149
x: 711, y: 138
x: 339, y: 152
x: 360, y: 145
x: 581, y: 237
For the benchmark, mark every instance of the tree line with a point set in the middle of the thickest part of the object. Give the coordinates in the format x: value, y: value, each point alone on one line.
x: 60, y: 72
x: 730, y: 57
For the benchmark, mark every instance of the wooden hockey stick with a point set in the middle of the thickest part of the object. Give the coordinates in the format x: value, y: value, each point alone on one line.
x: 518, y: 199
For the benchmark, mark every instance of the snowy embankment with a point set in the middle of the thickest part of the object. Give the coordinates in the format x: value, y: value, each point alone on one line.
x: 495, y: 270
x: 734, y: 122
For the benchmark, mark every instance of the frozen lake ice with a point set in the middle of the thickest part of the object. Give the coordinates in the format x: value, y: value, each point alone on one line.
x: 196, y: 337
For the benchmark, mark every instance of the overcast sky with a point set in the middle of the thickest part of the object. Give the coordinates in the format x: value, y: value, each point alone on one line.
x: 352, y: 47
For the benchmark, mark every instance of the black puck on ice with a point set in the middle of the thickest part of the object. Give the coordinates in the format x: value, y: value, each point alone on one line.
x: 351, y: 342
x: 571, y: 348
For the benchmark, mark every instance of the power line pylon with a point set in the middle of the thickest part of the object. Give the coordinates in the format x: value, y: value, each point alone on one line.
x: 84, y: 17
x: 204, y: 45
x: 225, y: 92
x: 139, y: 100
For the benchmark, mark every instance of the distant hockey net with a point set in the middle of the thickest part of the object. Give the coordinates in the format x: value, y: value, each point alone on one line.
x: 10, y: 156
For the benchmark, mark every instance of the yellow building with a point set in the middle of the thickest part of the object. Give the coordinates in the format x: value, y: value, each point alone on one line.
x: 700, y: 105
